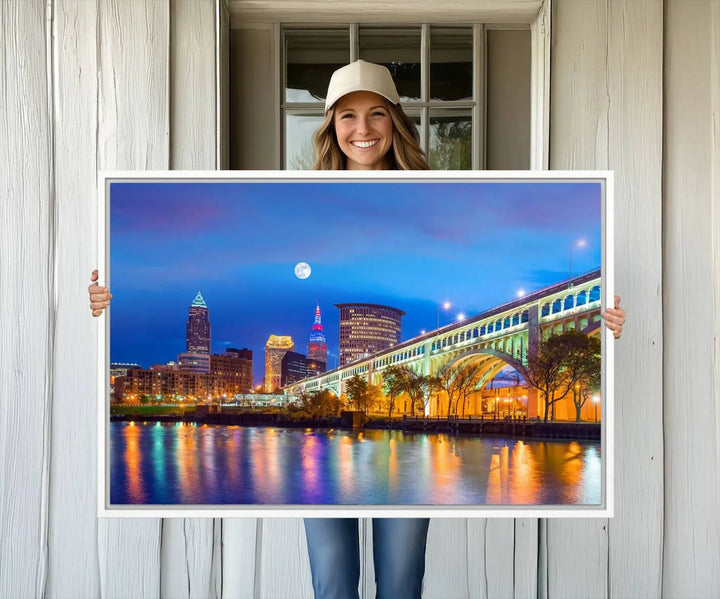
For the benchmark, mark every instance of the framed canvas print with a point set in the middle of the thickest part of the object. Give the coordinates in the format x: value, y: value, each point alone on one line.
x: 391, y: 343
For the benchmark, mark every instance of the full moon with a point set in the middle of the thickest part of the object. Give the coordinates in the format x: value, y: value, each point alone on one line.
x: 302, y: 270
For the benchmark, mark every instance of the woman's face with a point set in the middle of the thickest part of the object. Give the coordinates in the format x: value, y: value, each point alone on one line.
x: 364, y: 130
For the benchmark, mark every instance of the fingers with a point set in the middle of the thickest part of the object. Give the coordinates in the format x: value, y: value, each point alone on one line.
x: 614, y: 320
x: 617, y: 302
x: 99, y: 296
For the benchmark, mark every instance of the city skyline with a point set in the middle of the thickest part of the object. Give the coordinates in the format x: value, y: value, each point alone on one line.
x: 408, y: 245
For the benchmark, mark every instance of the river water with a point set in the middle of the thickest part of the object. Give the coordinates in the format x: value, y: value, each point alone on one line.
x: 189, y: 464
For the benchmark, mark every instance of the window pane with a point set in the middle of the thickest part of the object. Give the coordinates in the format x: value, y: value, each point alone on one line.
x: 450, y: 140
x: 312, y: 56
x: 299, y: 152
x: 399, y: 50
x: 451, y: 59
x: 415, y: 117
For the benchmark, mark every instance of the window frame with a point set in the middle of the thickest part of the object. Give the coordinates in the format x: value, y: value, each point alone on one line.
x: 477, y: 106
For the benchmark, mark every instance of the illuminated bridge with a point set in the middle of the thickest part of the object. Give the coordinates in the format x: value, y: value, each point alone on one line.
x: 496, y: 338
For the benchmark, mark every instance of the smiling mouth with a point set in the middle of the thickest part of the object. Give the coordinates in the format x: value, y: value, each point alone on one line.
x: 364, y: 144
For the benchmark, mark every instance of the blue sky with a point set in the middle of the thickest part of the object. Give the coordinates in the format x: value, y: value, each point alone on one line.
x: 408, y: 245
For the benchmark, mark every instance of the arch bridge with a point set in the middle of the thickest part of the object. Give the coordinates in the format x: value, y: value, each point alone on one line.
x: 496, y: 338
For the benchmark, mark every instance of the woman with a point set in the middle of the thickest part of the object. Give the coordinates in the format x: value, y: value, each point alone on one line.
x: 365, y: 129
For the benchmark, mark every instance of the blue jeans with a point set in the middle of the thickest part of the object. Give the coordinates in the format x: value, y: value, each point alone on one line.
x: 398, y: 552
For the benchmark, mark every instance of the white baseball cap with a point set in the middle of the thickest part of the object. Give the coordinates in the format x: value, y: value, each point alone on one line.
x: 361, y: 76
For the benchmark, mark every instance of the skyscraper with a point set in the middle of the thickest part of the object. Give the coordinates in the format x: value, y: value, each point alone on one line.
x: 197, y: 338
x: 317, y: 347
x: 366, y: 329
x: 294, y: 368
x: 275, y: 349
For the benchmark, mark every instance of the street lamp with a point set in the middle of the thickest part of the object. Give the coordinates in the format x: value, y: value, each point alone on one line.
x: 444, y: 306
x: 580, y: 243
x: 461, y: 316
x: 596, y: 399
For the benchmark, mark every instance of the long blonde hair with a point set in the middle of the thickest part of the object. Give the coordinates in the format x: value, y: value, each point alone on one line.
x: 405, y: 154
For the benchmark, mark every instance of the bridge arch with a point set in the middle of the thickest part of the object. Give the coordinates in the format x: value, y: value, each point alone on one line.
x: 486, y: 352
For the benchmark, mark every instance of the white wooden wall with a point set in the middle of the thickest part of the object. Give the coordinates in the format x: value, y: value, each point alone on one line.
x: 132, y: 85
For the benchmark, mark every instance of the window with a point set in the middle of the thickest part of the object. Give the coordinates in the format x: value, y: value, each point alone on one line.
x: 452, y: 81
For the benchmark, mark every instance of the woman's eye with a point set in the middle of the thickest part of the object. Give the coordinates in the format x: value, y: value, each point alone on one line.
x: 378, y: 113
x: 347, y: 115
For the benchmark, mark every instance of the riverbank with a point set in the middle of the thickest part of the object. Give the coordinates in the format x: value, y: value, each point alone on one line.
x: 466, y: 426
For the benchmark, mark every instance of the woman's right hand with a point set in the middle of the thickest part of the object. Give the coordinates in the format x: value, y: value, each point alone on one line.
x: 99, y: 296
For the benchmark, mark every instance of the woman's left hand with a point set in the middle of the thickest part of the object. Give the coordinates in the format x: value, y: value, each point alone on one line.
x: 615, y: 318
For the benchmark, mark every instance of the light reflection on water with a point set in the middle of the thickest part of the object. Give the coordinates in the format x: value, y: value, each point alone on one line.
x: 186, y: 464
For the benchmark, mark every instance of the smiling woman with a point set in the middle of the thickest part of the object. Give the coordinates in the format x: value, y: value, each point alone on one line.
x: 365, y: 127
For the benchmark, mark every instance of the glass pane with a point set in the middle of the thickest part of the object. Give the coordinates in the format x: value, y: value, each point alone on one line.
x: 450, y: 140
x: 299, y: 151
x: 415, y: 117
x: 312, y: 56
x: 399, y: 50
x: 451, y: 63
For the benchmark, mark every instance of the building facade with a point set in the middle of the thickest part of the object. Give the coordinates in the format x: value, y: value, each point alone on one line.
x: 275, y: 349
x: 317, y: 346
x: 293, y: 368
x: 366, y: 329
x: 233, y: 370
x: 194, y: 362
x: 198, y: 329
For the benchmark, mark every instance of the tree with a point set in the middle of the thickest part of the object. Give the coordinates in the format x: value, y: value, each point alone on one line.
x: 458, y: 382
x: 419, y: 388
x: 316, y: 404
x: 361, y: 393
x: 395, y: 383
x: 558, y: 364
x: 589, y: 376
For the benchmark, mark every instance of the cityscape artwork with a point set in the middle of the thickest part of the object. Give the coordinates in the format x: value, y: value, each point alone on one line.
x: 280, y: 342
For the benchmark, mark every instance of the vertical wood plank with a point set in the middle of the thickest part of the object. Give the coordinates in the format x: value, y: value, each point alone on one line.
x: 27, y: 317
x: 239, y: 557
x: 576, y: 550
x: 446, y: 559
x: 525, y: 557
x: 133, y: 132
x: 691, y: 560
x: 715, y: 205
x: 606, y: 107
x: 192, y: 85
x: 73, y: 496
x: 188, y: 544
x: 635, y: 90
x: 283, y: 565
x: 491, y: 557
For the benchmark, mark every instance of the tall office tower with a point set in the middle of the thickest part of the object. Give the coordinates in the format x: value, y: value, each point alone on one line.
x: 197, y: 339
x: 366, y: 329
x: 275, y: 349
x: 293, y: 368
x: 317, y: 347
